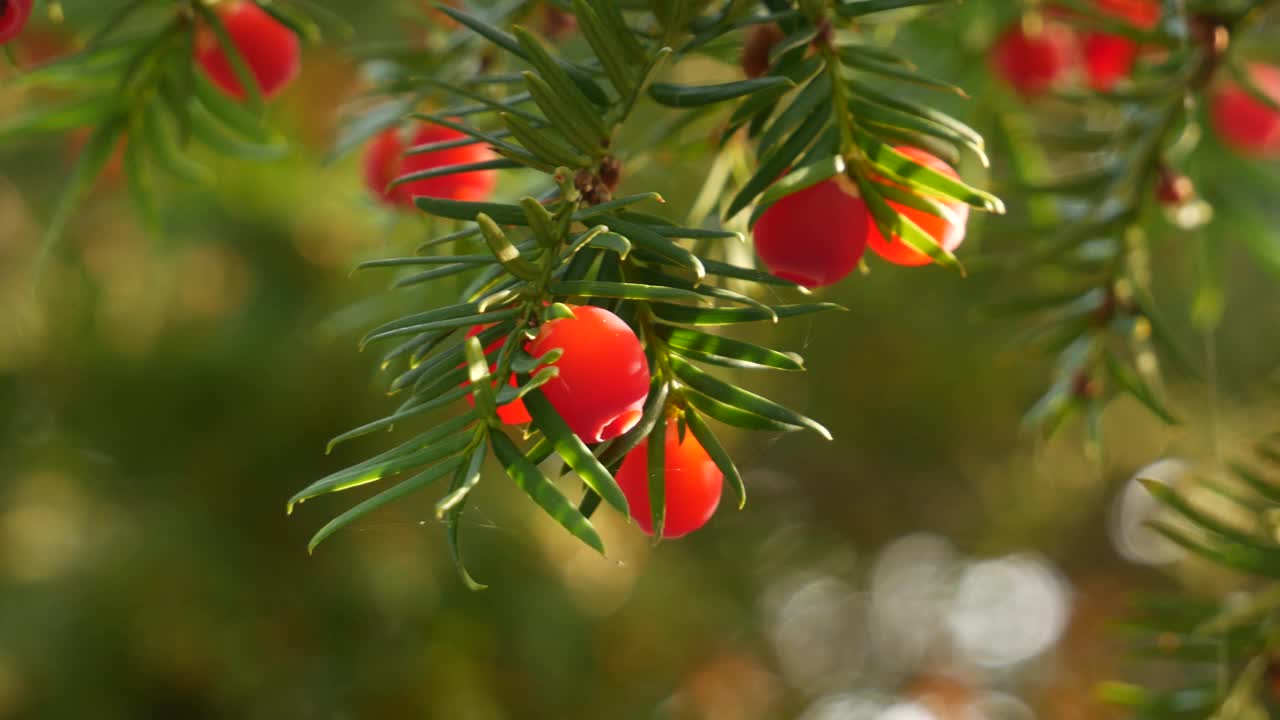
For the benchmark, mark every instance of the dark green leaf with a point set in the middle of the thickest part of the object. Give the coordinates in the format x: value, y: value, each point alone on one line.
x: 772, y: 167
x: 548, y: 497
x: 737, y: 417
x: 737, y: 397
x: 684, y: 96
x: 686, y: 315
x: 923, y: 179
x: 570, y: 447
x: 1129, y: 381
x: 441, y: 446
x: 698, y: 345
x: 413, y: 484
x: 656, y: 471
x: 465, y: 210
x: 858, y: 8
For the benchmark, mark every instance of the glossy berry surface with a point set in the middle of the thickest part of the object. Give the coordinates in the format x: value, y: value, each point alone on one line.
x: 755, y: 51
x: 269, y: 48
x: 813, y: 237
x: 948, y: 232
x: 384, y: 161
x: 604, y: 375
x: 13, y: 17
x: 1244, y: 122
x: 692, y: 481
x: 514, y: 412
x: 1034, y: 62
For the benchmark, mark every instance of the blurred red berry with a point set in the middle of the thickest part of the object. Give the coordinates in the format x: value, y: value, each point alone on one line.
x: 1108, y: 57
x: 948, y: 232
x: 1142, y: 14
x: 13, y: 17
x: 385, y: 160
x: 755, y: 51
x: 604, y: 374
x: 813, y: 237
x: 693, y: 484
x: 514, y: 412
x: 1245, y: 123
x: 556, y: 23
x: 1034, y: 62
x: 269, y: 48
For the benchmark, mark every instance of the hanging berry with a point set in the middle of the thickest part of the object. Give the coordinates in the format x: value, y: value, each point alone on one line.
x: 815, y: 236
x: 385, y: 160
x: 691, y: 478
x: 1245, y: 123
x: 947, y: 231
x: 269, y: 48
x: 604, y: 374
x: 1109, y: 57
x: 13, y: 17
x: 1033, y: 57
x: 514, y: 412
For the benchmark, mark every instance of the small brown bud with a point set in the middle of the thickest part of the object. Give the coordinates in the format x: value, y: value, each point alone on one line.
x: 610, y: 172
x: 1084, y: 387
x: 1173, y: 188
x: 755, y: 53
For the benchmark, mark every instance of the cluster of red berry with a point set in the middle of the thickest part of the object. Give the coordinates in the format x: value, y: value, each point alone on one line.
x: 1042, y: 51
x: 817, y: 236
x: 600, y: 391
x: 269, y: 48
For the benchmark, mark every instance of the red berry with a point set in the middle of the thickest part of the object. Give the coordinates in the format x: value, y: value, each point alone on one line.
x: 604, y: 374
x: 1244, y: 122
x: 268, y: 46
x: 948, y: 232
x: 384, y: 161
x: 1142, y: 14
x: 1034, y: 62
x: 13, y: 17
x: 690, y: 476
x: 815, y: 236
x: 1109, y: 57
x: 514, y: 412
x: 755, y: 51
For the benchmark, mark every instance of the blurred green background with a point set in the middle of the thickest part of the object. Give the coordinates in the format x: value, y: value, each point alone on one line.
x: 161, y: 398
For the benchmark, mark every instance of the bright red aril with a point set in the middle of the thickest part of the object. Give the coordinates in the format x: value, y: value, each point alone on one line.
x: 385, y: 160
x: 1034, y: 61
x: 1108, y: 57
x: 269, y: 48
x: 947, y: 231
x: 604, y: 374
x: 1244, y: 122
x: 813, y: 237
x: 13, y: 17
x: 514, y: 412
x: 691, y: 480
